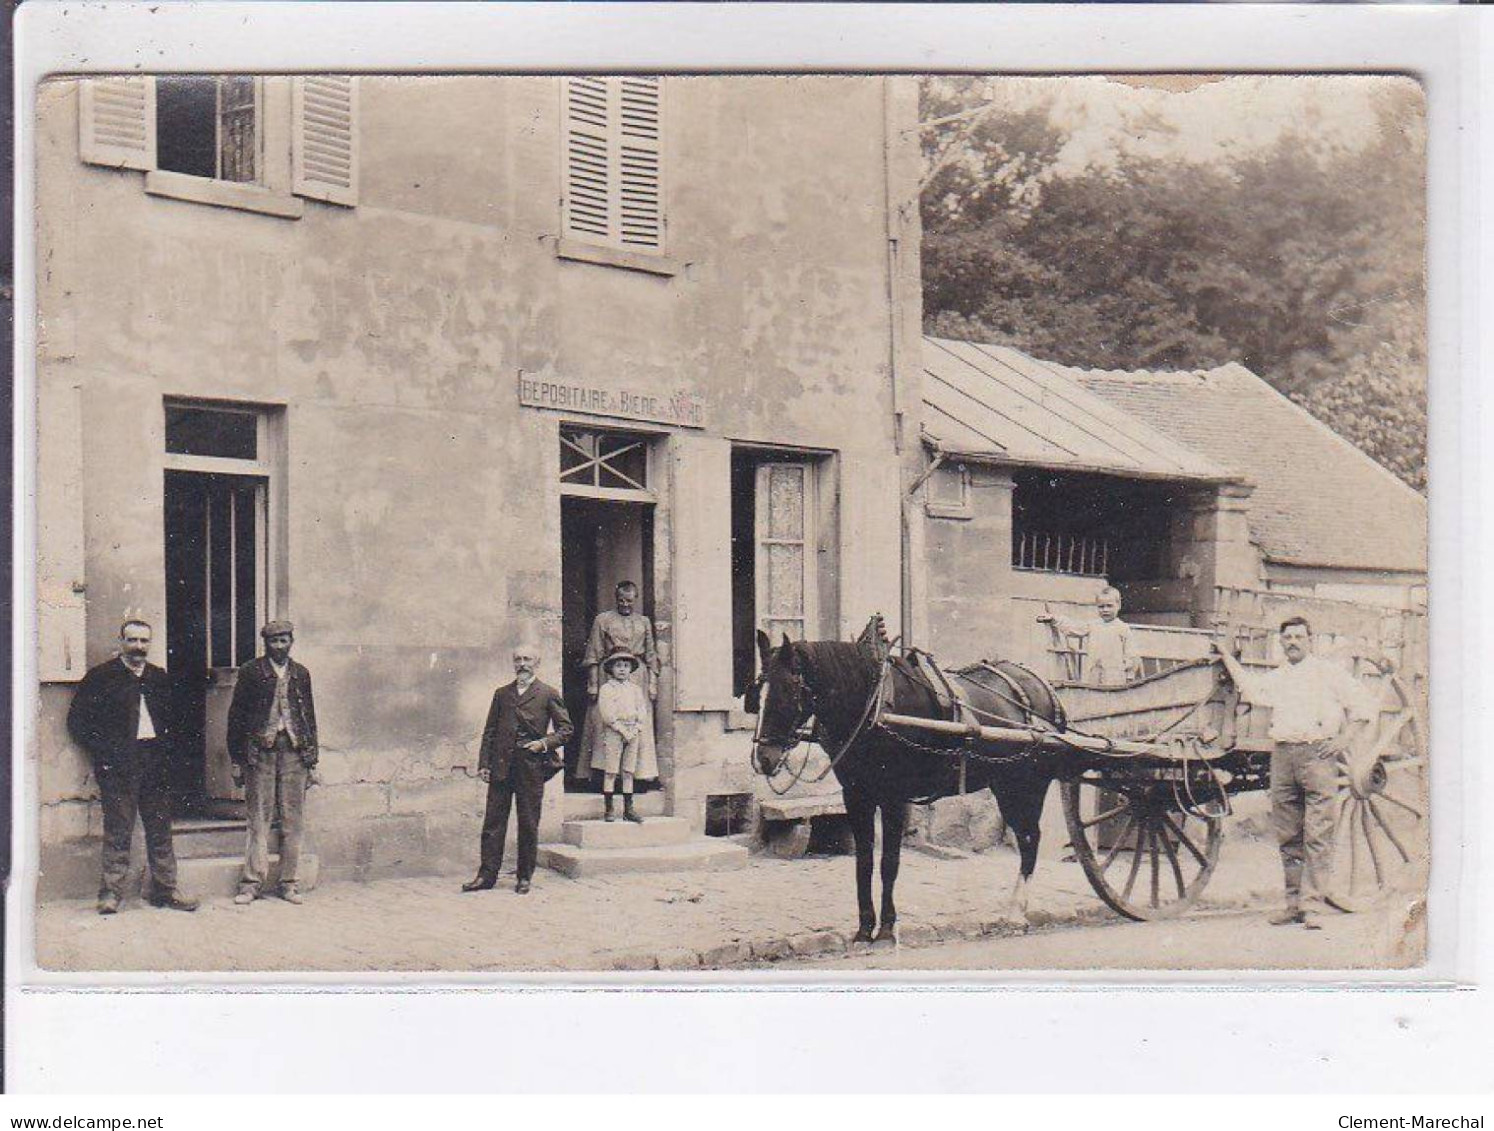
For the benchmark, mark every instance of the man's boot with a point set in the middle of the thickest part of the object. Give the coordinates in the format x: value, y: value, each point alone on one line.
x: 629, y: 813
x: 1292, y: 914
x: 607, y: 807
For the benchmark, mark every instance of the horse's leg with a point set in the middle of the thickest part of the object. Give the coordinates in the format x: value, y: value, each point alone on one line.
x: 894, y: 820
x: 861, y: 815
x: 1021, y: 804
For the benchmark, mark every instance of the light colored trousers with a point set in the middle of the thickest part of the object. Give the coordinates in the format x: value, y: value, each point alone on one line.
x: 1304, y: 796
x: 273, y: 776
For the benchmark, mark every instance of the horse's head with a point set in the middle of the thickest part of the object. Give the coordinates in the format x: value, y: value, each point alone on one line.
x: 782, y: 704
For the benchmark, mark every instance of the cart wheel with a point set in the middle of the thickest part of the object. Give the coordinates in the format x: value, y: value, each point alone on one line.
x: 1379, y: 836
x: 1144, y: 857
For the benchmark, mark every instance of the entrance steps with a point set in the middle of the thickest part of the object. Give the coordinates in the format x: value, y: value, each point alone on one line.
x: 660, y: 844
x: 210, y: 857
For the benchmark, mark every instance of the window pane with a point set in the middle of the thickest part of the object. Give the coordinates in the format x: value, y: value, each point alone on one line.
x: 778, y: 629
x: 237, y: 144
x: 786, y: 501
x: 627, y: 458
x: 785, y: 581
x: 211, y: 432
x: 187, y: 124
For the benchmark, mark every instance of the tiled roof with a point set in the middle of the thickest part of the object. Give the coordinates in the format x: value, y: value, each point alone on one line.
x: 991, y: 401
x: 1318, y: 500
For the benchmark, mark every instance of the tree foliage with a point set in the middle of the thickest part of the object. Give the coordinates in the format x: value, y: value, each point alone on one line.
x: 1303, y: 260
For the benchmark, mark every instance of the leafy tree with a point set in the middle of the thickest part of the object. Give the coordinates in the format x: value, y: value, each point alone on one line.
x: 1303, y: 261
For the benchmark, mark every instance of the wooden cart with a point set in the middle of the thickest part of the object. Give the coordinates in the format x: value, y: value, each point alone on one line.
x: 1156, y: 762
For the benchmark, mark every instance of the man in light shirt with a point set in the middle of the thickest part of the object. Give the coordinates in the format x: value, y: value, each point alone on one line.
x: 1318, y: 712
x: 122, y: 717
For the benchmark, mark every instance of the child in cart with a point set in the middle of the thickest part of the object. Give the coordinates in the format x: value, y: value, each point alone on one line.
x: 1109, y: 655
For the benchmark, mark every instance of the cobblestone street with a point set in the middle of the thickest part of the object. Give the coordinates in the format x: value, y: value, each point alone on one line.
x: 770, y: 910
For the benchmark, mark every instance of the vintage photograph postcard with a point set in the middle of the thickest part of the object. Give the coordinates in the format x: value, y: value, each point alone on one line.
x: 827, y: 524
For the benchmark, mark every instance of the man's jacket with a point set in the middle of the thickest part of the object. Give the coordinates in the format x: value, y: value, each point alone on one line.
x: 515, y: 719
x: 104, y: 715
x: 254, y: 695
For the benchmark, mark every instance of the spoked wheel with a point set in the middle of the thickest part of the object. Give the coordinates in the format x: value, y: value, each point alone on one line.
x: 1379, y: 834
x: 1144, y: 857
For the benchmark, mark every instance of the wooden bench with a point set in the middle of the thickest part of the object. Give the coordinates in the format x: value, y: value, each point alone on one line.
x: 787, y: 822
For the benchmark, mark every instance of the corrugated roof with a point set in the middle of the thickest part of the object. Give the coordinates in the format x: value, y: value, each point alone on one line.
x: 994, y: 402
x: 1318, y: 500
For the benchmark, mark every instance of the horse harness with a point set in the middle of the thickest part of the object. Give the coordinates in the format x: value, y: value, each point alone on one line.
x: 921, y: 667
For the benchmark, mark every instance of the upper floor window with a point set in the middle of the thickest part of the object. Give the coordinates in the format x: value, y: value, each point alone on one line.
x: 256, y: 143
x: 207, y: 126
x: 613, y: 162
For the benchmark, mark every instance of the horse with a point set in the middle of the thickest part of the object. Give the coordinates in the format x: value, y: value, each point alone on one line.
x: 881, y: 769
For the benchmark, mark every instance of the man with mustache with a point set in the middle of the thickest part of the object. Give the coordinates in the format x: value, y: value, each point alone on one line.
x: 122, y: 716
x: 1318, y: 712
x: 527, y: 724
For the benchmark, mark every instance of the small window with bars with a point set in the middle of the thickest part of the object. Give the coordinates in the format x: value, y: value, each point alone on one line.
x: 614, y: 162
x: 598, y: 461
x: 1085, y: 555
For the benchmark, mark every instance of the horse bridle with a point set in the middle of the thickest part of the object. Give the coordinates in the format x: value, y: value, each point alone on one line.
x: 802, y: 733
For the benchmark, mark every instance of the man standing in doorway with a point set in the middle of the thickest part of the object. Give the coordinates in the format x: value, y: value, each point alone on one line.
x: 527, y: 724
x: 1318, y: 712
x: 122, y: 716
x: 272, y: 741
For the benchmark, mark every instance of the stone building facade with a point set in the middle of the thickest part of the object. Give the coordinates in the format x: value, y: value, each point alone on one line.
x: 427, y: 365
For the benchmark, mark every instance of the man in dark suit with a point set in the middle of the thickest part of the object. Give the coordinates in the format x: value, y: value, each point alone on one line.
x: 122, y: 716
x: 272, y: 741
x: 519, y: 754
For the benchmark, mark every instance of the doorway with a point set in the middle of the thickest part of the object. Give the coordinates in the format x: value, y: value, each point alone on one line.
x: 215, y: 600
x: 602, y: 542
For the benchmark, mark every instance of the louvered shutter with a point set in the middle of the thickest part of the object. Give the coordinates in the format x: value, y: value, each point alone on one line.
x: 641, y: 219
x: 324, y: 138
x: 701, y: 532
x: 613, y: 158
x: 117, y: 122
x: 588, y: 159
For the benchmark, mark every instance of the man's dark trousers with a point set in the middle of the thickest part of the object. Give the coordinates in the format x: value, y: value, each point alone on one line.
x: 524, y: 789
x: 139, y: 784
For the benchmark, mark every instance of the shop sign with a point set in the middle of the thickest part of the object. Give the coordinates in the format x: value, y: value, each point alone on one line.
x: 684, y: 409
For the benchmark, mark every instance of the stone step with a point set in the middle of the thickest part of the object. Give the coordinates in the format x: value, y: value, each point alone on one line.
x: 588, y: 806
x: 211, y: 877
x: 197, y: 839
x: 655, y: 832
x: 700, y: 854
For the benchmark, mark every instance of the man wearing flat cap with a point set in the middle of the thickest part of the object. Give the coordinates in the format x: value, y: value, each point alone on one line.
x: 272, y: 741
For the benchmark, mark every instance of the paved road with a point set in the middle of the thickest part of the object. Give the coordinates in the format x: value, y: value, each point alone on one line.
x: 1239, y: 940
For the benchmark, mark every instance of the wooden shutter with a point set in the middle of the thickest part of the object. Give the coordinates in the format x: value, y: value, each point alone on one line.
x: 613, y: 175
x: 641, y: 219
x: 117, y: 122
x: 786, y: 583
x: 588, y: 159
x: 59, y: 533
x: 324, y: 138
x: 701, y: 522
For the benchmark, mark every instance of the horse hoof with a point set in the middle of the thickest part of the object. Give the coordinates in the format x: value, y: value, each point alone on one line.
x: 862, y: 936
x: 887, y: 936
